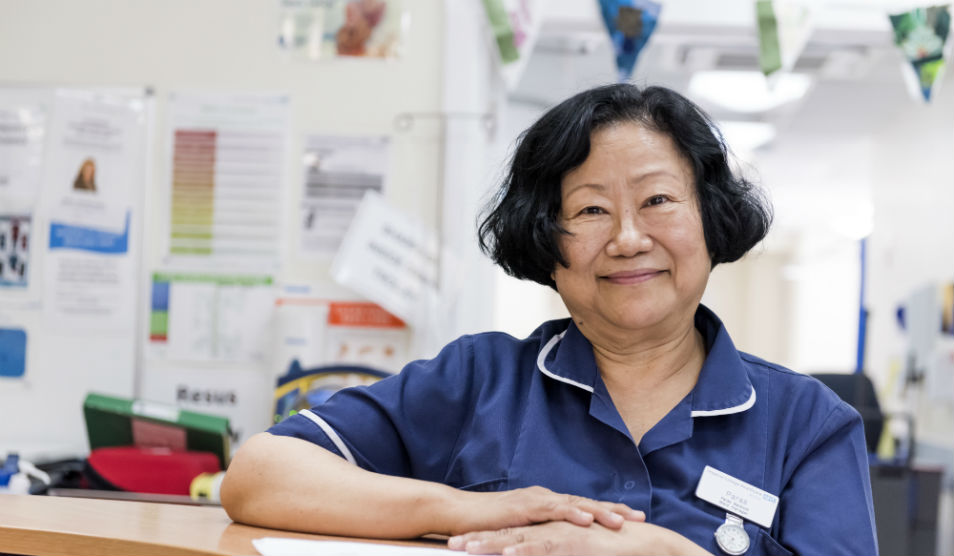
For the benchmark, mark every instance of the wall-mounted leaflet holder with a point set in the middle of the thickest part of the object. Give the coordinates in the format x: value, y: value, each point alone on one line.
x: 405, y: 121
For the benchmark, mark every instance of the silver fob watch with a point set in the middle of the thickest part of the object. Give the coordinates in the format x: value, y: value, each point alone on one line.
x: 731, y: 537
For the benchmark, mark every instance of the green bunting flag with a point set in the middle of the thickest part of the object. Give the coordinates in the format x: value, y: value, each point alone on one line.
x: 784, y: 27
x: 503, y: 31
x: 921, y: 34
x: 770, y: 52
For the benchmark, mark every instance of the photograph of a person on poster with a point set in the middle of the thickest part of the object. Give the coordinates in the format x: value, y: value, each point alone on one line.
x: 86, y: 177
x: 361, y: 17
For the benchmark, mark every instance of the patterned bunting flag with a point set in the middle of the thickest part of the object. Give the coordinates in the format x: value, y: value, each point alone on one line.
x: 630, y: 23
x: 921, y: 34
x: 515, y: 25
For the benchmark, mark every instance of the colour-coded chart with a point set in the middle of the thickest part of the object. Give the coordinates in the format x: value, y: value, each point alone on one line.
x: 225, y: 188
x: 226, y: 175
x: 193, y: 191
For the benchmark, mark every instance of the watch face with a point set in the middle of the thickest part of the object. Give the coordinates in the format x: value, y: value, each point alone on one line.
x: 732, y: 539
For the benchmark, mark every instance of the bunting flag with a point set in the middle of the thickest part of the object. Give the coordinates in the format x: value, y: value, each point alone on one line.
x: 502, y: 30
x: 770, y: 51
x: 515, y: 25
x: 921, y: 34
x: 630, y: 23
x: 784, y: 27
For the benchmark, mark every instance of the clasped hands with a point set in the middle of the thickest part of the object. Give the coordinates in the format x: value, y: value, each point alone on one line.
x: 536, y: 520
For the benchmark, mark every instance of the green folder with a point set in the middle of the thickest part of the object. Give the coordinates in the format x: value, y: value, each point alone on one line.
x: 114, y: 421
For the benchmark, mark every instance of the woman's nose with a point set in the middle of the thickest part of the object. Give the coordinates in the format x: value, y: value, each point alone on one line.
x: 629, y: 238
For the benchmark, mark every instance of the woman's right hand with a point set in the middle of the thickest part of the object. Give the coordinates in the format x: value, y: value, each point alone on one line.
x: 482, y: 511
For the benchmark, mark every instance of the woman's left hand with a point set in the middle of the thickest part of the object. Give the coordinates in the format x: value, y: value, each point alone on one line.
x: 561, y: 537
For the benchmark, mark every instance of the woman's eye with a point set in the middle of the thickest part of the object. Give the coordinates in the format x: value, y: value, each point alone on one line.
x: 657, y: 200
x: 592, y: 210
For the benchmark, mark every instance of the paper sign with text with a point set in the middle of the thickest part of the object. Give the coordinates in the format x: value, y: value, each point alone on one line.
x: 391, y: 259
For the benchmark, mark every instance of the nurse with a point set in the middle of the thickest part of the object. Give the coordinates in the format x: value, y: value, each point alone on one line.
x: 633, y: 427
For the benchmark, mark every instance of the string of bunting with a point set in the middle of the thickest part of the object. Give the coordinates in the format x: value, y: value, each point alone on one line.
x: 784, y: 27
x: 921, y: 34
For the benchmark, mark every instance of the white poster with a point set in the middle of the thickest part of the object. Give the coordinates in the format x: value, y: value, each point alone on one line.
x: 225, y: 176
x: 318, y: 332
x: 93, y: 169
x: 22, y: 129
x: 338, y: 171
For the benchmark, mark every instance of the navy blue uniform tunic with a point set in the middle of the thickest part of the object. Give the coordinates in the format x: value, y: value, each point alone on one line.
x: 491, y: 413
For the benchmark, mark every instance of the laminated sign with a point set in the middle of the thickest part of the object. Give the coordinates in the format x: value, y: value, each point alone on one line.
x: 391, y: 259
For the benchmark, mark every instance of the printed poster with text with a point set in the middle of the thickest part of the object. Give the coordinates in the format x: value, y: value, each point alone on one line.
x: 94, y: 167
x: 226, y: 175
x: 317, y: 332
x: 22, y: 128
x: 338, y: 171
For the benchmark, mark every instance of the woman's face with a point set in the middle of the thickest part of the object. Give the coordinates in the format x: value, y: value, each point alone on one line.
x: 637, y: 254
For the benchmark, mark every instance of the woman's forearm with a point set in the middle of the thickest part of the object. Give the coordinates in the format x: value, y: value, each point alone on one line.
x: 287, y: 483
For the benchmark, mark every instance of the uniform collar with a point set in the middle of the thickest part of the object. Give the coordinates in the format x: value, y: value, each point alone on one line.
x: 723, y: 387
x: 568, y: 357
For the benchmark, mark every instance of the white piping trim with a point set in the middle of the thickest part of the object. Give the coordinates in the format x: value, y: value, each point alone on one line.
x: 729, y: 410
x: 543, y: 355
x: 331, y: 434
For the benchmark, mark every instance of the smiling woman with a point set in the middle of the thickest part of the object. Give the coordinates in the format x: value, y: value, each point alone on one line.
x: 635, y: 426
x: 634, y: 245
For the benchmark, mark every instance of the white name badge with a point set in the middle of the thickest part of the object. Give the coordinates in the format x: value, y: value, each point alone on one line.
x: 738, y: 497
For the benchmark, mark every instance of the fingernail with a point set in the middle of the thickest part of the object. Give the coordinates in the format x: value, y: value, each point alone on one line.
x: 473, y: 546
x: 455, y: 543
x: 509, y: 550
x: 584, y: 515
x: 616, y: 518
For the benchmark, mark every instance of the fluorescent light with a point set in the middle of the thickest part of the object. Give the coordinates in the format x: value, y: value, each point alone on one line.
x: 748, y: 91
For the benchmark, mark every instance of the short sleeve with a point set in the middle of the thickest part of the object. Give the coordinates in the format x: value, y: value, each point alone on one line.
x: 826, y: 507
x: 405, y: 425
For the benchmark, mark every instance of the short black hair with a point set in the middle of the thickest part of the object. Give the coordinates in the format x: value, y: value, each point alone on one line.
x: 520, y: 227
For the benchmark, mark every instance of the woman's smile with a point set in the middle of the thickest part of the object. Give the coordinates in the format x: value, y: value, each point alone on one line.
x: 629, y: 277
